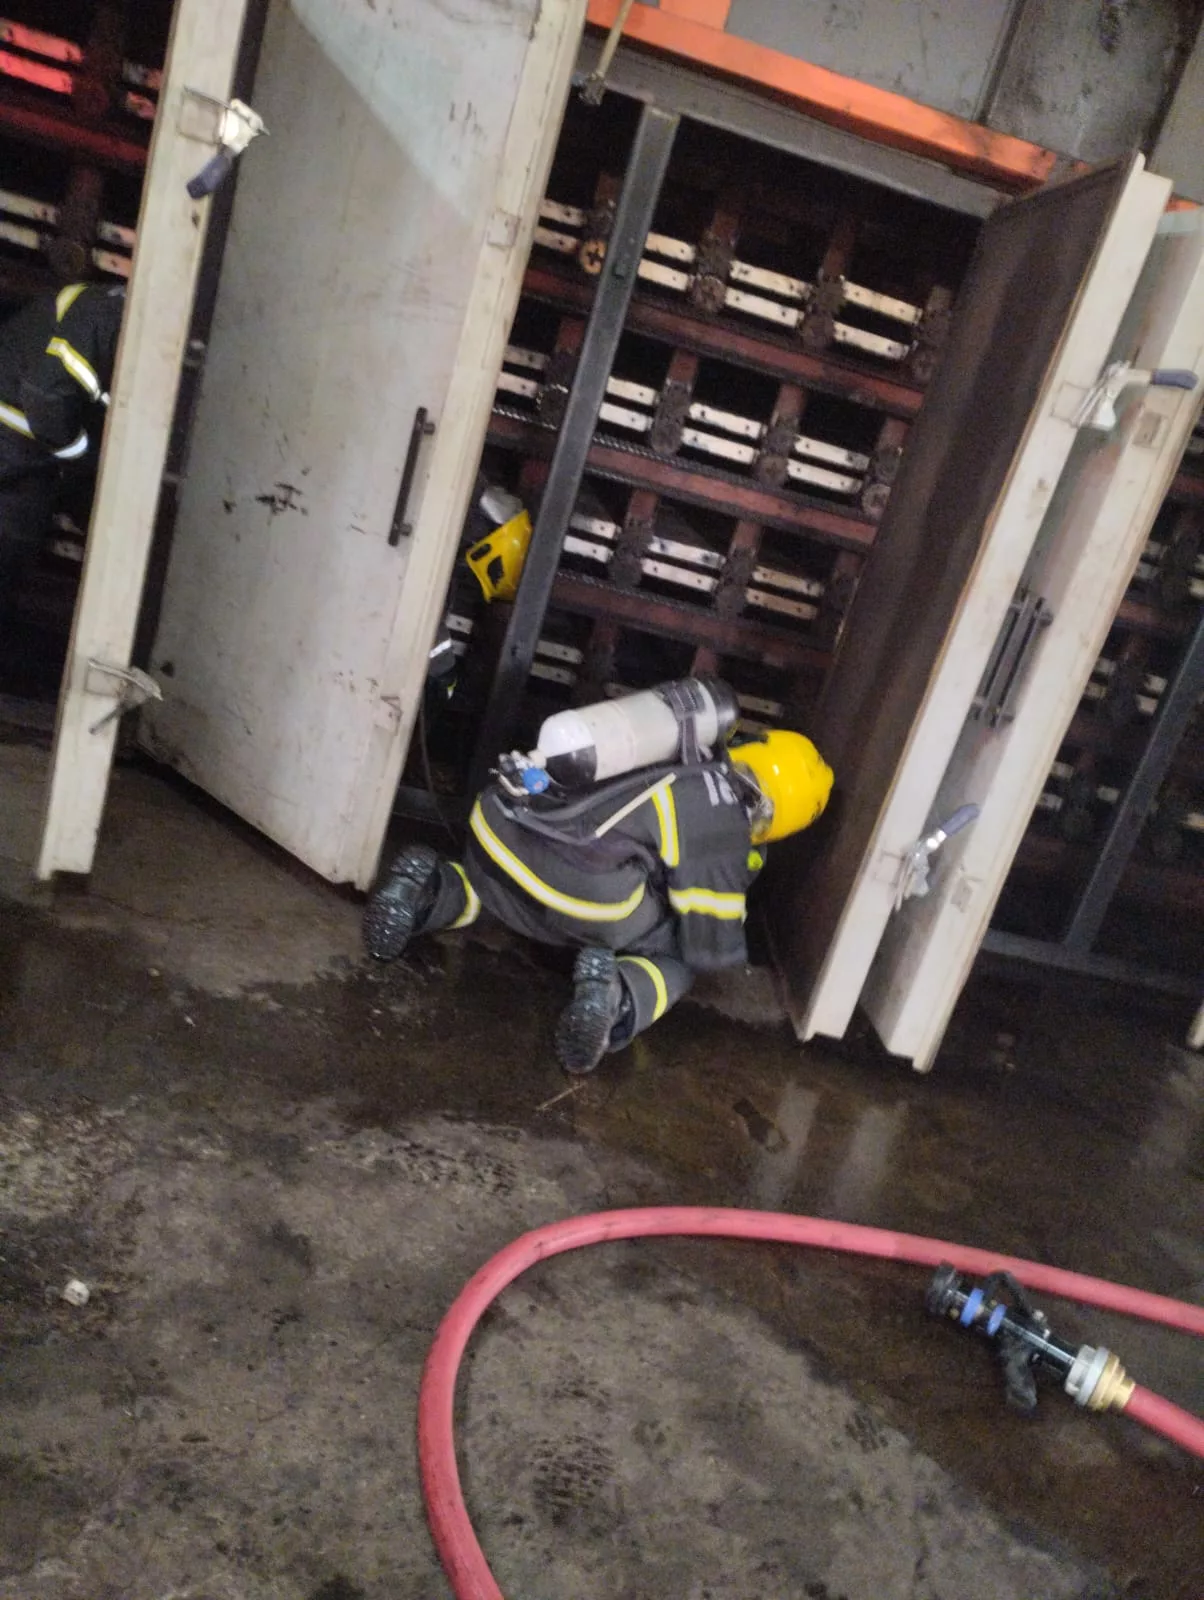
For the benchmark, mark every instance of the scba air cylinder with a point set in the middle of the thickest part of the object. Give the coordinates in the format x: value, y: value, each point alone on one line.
x: 602, y: 741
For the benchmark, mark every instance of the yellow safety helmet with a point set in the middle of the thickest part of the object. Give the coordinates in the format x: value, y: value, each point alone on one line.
x: 792, y: 776
x: 497, y: 560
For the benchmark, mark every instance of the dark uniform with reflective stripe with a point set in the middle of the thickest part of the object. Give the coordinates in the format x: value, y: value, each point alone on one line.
x: 56, y: 366
x: 664, y: 884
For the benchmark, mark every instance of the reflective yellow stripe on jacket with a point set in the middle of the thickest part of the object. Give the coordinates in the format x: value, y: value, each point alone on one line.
x: 568, y: 905
x: 82, y: 371
x: 708, y: 903
x: 19, y: 423
x: 66, y: 298
x: 72, y: 452
x: 666, y: 813
x: 16, y: 420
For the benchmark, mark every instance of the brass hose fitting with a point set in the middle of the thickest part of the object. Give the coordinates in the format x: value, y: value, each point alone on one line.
x: 1098, y: 1381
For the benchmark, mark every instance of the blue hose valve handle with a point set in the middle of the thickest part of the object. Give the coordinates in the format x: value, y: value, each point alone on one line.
x: 535, y: 780
x: 971, y: 1307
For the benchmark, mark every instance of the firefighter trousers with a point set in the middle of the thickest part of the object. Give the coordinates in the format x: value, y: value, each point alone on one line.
x: 652, y: 975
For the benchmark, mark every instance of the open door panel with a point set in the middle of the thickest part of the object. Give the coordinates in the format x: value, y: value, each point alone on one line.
x: 370, y: 275
x: 1050, y: 281
x: 1089, y: 546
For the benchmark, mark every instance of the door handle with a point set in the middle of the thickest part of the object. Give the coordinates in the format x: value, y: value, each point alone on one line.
x: 423, y: 427
x: 1027, y: 615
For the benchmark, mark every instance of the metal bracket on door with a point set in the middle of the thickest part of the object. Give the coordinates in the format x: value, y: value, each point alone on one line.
x: 229, y: 124
x: 1096, y: 406
x: 423, y: 427
x: 1027, y: 617
x: 133, y: 689
x: 913, y: 880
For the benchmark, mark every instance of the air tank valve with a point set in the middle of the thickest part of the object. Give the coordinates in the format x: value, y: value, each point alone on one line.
x: 685, y: 721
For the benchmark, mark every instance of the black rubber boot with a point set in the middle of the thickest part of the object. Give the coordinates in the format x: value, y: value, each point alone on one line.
x: 396, y: 910
x: 583, y: 1032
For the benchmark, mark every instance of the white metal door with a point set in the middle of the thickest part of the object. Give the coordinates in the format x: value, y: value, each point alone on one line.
x: 171, y: 234
x: 372, y: 268
x: 1051, y: 281
x: 1089, y: 545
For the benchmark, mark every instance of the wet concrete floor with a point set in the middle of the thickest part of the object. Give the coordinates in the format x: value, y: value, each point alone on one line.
x: 274, y: 1166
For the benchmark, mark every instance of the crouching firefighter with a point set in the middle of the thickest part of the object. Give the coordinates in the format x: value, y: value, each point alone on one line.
x: 632, y: 833
x: 56, y: 367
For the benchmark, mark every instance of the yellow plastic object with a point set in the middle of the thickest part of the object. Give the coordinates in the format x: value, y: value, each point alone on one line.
x: 497, y: 560
x: 793, y: 777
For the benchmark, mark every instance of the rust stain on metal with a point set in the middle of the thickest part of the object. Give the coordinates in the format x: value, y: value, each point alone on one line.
x: 697, y: 487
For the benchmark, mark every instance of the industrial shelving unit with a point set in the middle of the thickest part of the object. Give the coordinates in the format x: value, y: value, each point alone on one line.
x: 785, y: 309
x: 771, y: 360
x: 783, y: 324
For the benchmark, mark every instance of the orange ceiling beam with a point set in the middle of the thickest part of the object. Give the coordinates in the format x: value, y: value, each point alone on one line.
x: 828, y: 96
x: 711, y: 13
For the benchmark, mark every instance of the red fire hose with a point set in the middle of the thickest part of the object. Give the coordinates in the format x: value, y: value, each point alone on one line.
x: 461, y: 1554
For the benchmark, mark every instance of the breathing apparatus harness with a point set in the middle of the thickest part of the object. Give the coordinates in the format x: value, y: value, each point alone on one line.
x: 701, y: 714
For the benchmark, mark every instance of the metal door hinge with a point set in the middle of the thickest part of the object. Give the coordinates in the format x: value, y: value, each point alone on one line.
x: 503, y: 229
x: 132, y: 686
x: 1028, y: 616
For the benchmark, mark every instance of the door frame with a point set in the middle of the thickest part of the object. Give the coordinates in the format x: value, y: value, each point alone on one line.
x: 1098, y: 526
x: 202, y: 57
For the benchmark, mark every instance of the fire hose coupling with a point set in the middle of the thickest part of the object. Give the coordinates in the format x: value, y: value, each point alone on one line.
x: 999, y: 1309
x: 1098, y: 1381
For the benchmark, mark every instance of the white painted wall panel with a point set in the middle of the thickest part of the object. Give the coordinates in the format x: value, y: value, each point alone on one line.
x: 936, y: 51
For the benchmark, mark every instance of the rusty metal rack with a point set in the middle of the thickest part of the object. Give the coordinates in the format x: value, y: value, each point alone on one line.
x: 750, y: 409
x: 79, y: 85
x: 783, y: 320
x: 78, y: 94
